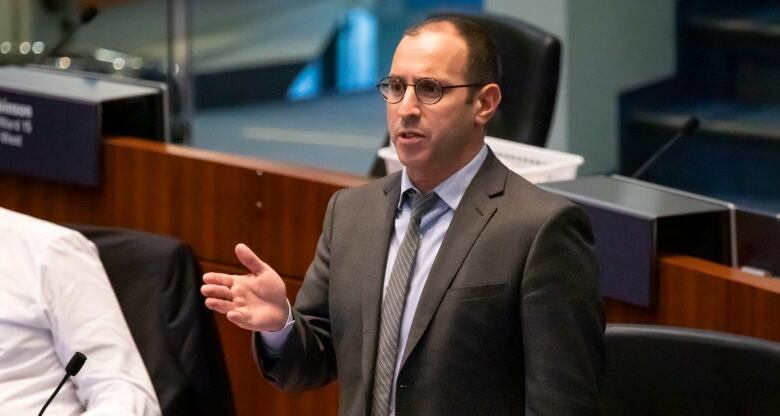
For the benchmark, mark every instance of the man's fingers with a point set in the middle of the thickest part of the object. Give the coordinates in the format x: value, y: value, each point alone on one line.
x: 249, y: 259
x: 218, y: 279
x: 216, y: 291
x: 219, y: 305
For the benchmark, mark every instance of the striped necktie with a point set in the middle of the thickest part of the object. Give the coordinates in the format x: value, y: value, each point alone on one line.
x: 393, y: 304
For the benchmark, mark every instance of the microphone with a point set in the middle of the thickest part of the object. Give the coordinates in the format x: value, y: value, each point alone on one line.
x: 85, y: 17
x: 75, y: 364
x: 73, y: 367
x: 690, y: 126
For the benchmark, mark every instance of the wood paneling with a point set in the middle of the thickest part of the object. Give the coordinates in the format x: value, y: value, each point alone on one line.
x: 210, y: 200
x: 254, y: 395
x: 697, y: 293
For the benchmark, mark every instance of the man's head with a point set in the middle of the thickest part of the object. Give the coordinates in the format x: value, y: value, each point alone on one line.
x: 483, y: 63
x: 436, y: 138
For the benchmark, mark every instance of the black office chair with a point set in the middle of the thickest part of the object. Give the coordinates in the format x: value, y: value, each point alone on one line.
x: 656, y: 370
x: 530, y: 62
x: 157, y: 282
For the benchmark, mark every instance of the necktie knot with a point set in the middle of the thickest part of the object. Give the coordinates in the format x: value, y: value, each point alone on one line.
x: 421, y: 203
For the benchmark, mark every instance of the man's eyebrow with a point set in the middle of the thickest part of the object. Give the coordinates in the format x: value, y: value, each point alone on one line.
x: 414, y: 79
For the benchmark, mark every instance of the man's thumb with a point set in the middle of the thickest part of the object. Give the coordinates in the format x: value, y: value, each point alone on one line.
x: 237, y: 318
x: 249, y: 259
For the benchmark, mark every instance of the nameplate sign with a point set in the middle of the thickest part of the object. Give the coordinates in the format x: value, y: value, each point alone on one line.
x: 52, y: 124
x: 634, y: 221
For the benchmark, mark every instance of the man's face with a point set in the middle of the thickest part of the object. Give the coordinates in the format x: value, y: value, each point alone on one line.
x: 433, y: 141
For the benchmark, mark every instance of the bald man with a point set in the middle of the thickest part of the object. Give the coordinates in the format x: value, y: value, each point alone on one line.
x: 454, y: 287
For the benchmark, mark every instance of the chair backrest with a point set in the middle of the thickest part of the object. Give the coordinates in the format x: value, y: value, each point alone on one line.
x: 656, y: 370
x: 530, y: 61
x: 157, y: 282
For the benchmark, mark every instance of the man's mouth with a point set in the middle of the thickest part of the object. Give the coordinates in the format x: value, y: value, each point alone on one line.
x: 411, y: 134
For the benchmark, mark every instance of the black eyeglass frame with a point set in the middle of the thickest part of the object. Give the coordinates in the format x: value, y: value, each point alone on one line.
x: 406, y: 86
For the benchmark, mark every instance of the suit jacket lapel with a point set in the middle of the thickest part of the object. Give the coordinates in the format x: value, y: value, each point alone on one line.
x: 380, y: 225
x: 478, y: 205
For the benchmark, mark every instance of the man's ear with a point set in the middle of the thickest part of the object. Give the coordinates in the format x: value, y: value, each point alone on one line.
x: 488, y: 99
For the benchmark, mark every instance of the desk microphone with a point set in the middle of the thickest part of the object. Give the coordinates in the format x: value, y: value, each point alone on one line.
x: 73, y: 367
x: 690, y: 125
x: 85, y: 17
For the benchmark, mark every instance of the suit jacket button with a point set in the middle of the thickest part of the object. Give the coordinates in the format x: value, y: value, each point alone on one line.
x: 403, y: 386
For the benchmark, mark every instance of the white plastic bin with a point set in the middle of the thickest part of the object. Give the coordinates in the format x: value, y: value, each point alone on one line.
x: 536, y: 164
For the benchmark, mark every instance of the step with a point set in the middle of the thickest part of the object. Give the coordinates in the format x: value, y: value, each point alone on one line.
x: 754, y: 23
x: 734, y: 155
x: 718, y: 117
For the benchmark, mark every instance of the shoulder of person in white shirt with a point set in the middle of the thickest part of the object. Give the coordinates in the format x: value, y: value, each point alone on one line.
x: 55, y: 299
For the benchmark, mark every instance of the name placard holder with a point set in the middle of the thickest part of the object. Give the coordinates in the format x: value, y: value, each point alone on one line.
x: 52, y: 123
x: 634, y: 221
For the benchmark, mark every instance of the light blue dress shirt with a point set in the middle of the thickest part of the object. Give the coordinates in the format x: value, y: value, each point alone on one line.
x: 433, y: 226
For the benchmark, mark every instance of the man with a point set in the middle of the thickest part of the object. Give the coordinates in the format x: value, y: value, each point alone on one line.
x: 474, y: 295
x: 55, y: 299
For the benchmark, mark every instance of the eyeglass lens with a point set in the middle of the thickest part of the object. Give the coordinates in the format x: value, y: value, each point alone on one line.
x: 429, y: 91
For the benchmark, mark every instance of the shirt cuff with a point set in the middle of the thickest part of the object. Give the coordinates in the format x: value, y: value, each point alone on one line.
x: 274, y: 340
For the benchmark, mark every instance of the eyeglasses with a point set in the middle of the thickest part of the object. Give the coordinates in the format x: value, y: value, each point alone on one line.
x: 428, y: 90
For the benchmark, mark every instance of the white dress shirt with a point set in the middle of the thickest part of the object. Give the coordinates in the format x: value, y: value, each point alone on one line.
x: 55, y: 299
x: 433, y: 226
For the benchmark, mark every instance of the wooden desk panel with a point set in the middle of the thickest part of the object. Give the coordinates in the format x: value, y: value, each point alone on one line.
x: 697, y: 293
x: 213, y: 201
x: 210, y: 200
x: 252, y: 393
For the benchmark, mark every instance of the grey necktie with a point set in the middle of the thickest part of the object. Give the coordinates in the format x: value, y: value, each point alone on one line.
x: 393, y: 304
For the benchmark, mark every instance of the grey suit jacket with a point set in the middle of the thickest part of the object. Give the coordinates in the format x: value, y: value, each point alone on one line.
x: 510, y: 321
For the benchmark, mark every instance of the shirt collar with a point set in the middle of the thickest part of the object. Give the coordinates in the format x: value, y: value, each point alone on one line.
x: 450, y: 191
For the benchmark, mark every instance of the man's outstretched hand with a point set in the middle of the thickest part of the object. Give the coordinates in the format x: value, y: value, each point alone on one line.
x: 255, y: 301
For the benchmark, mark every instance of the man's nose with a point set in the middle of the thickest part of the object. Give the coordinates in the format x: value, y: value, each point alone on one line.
x: 409, y: 106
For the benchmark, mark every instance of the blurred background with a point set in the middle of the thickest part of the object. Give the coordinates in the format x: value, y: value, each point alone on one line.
x: 294, y: 80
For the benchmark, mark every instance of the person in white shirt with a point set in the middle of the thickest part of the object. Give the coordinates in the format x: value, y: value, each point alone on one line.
x: 55, y: 299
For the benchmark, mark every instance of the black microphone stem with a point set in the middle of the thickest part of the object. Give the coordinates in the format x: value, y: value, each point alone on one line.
x: 57, y: 390
x: 71, y: 369
x: 650, y: 161
x: 688, y: 127
x: 85, y: 17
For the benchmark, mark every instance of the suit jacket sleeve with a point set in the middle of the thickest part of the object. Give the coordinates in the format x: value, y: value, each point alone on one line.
x: 307, y: 359
x: 562, y: 318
